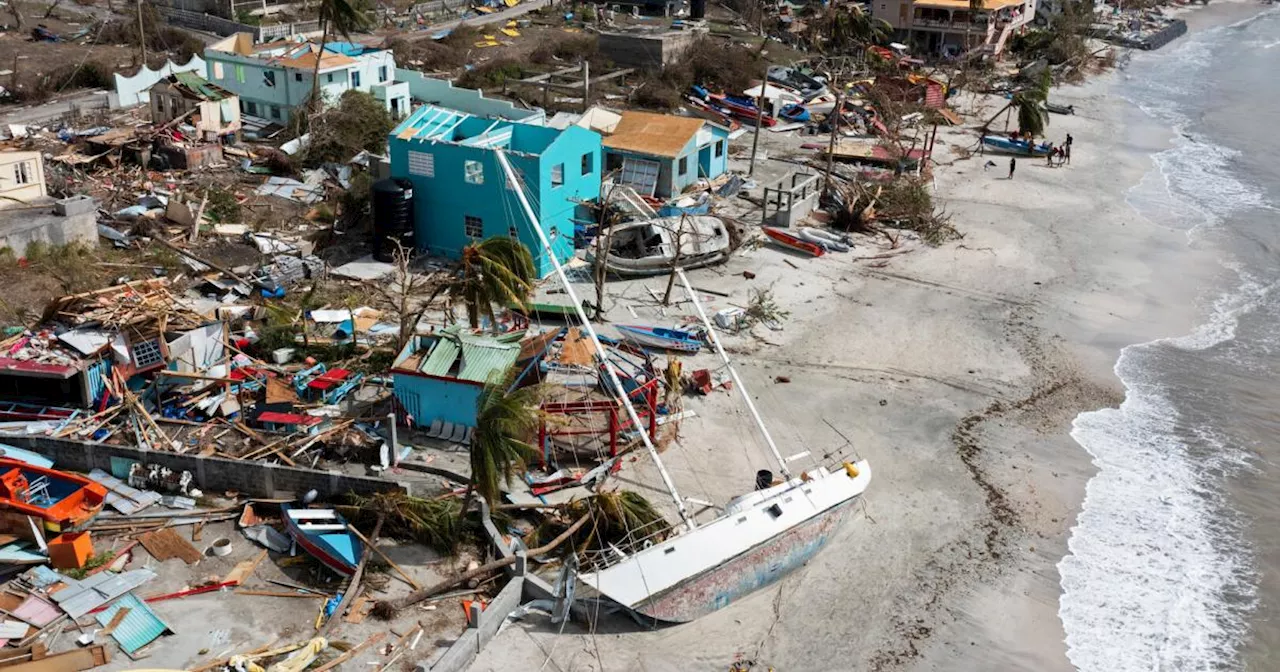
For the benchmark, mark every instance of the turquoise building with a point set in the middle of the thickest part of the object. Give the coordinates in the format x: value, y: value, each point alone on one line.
x: 661, y: 155
x: 460, y: 194
x: 438, y: 378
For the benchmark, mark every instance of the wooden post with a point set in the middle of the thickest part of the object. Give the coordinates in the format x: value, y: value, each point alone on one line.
x: 755, y: 144
x: 586, y: 85
x: 837, y: 111
x: 142, y: 37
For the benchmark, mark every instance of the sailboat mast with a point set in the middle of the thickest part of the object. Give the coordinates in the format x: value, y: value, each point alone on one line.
x: 595, y: 340
x: 737, y: 381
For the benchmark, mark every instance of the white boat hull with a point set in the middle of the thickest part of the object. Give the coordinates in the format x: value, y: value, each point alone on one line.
x: 751, y: 546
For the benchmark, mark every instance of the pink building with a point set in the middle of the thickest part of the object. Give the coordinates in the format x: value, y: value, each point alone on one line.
x: 950, y: 27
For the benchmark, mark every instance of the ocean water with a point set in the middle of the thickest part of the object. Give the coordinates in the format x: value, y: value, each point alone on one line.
x: 1174, y: 562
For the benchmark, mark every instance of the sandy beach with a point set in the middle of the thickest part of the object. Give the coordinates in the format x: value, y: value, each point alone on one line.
x: 957, y: 371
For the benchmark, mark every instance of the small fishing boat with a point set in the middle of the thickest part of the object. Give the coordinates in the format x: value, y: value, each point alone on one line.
x: 794, y: 112
x: 1060, y: 109
x: 324, y: 535
x: 829, y: 241
x: 648, y: 247
x: 792, y: 241
x: 742, y: 108
x: 657, y: 337
x: 999, y: 143
x: 61, y: 500
x: 14, y: 453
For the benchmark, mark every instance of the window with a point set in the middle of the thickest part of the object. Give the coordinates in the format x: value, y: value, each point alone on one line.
x: 473, y: 172
x: 588, y: 163
x: 240, y: 74
x: 147, y: 354
x: 297, y: 76
x: 511, y: 231
x: 355, y: 79
x: 328, y: 78
x: 251, y: 108
x: 422, y: 163
x: 382, y: 74
x: 557, y: 175
x: 275, y: 111
x: 473, y: 227
x: 22, y: 172
x: 269, y: 78
x: 684, y: 165
x: 719, y: 148
x: 217, y: 71
x: 640, y: 174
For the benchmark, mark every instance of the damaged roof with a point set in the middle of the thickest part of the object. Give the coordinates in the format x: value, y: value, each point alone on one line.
x: 463, y: 356
x: 195, y: 87
x: 662, y: 135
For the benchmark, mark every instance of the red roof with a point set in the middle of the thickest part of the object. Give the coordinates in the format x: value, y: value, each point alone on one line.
x: 38, y: 369
x: 289, y: 418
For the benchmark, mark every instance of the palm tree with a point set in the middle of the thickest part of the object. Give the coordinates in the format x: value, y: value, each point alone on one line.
x: 497, y: 270
x: 1033, y: 117
x: 850, y: 27
x: 335, y: 15
x: 505, y: 422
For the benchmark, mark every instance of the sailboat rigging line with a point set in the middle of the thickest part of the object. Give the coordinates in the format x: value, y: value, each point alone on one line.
x: 737, y: 380
x: 847, y: 440
x: 595, y: 341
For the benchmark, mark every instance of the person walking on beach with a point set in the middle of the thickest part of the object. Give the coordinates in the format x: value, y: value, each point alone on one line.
x: 1013, y: 165
x: 1053, y: 151
x: 1066, y: 153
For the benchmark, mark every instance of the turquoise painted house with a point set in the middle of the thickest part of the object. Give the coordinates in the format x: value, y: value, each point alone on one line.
x: 460, y: 194
x: 273, y: 79
x: 661, y: 155
x: 438, y: 378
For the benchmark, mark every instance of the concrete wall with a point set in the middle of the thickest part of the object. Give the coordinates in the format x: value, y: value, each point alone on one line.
x: 213, y: 474
x: 647, y: 51
x: 20, y: 229
x: 443, y: 93
x: 133, y: 90
x: 464, y: 651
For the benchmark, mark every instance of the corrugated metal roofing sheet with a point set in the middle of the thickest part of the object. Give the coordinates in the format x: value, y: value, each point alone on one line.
x: 122, y: 497
x: 470, y: 358
x: 138, y: 628
x: 36, y: 611
x: 81, y: 597
x: 201, y: 86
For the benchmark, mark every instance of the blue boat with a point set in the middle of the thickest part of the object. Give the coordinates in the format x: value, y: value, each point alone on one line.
x: 1002, y: 144
x: 325, y: 536
x: 794, y: 112
x: 657, y: 337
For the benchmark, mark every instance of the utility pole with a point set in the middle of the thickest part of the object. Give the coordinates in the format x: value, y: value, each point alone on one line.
x: 142, y: 36
x: 755, y: 144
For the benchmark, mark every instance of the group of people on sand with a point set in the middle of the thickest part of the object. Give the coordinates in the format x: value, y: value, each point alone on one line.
x: 1057, y: 156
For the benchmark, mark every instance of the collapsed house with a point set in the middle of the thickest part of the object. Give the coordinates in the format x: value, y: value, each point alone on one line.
x: 212, y: 110
x: 661, y: 155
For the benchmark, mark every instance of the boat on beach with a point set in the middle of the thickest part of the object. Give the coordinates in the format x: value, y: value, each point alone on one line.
x: 324, y: 535
x: 998, y: 143
x: 657, y: 337
x: 793, y: 241
x: 1060, y: 109
x: 754, y: 540
x: 648, y: 247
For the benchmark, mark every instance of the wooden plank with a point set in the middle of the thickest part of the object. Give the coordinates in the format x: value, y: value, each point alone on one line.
x: 115, y: 621
x: 278, y: 593
x: 71, y: 661
x: 164, y: 544
x: 373, y: 639
x: 244, y: 570
x: 356, y: 613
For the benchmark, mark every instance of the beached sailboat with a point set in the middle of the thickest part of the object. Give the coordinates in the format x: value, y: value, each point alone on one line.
x: 657, y: 337
x: 793, y: 241
x: 756, y: 539
x: 648, y: 247
x: 324, y: 535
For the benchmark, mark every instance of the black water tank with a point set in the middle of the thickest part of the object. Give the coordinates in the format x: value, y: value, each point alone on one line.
x: 392, y: 217
x: 697, y: 9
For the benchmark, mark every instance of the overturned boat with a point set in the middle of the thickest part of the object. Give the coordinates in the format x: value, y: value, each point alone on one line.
x: 649, y: 247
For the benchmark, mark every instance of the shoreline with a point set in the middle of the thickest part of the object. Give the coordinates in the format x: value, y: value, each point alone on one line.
x: 958, y: 371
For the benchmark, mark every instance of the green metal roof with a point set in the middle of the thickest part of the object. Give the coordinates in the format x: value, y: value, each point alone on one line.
x: 201, y: 86
x: 138, y: 628
x: 468, y: 357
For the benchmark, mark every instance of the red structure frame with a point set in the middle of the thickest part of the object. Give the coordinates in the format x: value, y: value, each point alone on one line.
x: 648, y: 392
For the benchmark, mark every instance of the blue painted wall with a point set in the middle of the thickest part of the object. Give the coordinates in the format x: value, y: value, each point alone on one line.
x: 700, y: 162
x: 445, y: 201
x: 710, y: 165
x: 431, y: 399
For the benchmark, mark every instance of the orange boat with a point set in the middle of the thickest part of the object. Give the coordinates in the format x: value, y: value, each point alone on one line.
x: 62, y: 500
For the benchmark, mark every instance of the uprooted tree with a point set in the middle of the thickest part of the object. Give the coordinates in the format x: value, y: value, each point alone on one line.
x: 358, y: 122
